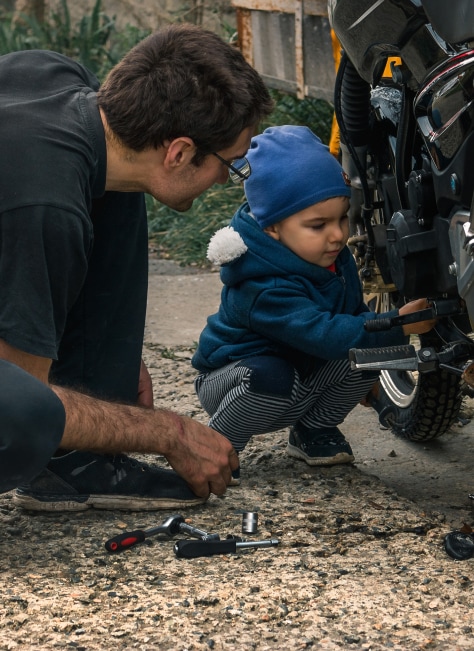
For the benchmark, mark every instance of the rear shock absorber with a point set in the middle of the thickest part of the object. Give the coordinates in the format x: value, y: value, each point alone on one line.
x: 355, y: 105
x: 352, y: 108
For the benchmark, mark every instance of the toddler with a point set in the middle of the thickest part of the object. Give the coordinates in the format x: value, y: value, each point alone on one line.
x: 276, y: 353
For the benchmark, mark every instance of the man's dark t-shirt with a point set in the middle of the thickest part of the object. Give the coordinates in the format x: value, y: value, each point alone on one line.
x: 73, y: 258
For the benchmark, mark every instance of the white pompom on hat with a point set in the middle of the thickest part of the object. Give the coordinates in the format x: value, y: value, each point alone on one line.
x: 225, y: 246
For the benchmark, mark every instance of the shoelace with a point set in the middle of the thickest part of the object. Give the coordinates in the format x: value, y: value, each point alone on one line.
x: 129, y: 462
x: 327, y: 438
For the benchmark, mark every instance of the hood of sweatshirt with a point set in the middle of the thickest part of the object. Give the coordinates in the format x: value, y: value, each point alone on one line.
x: 246, y: 252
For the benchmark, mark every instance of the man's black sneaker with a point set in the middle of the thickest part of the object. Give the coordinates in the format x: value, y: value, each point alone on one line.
x: 78, y: 481
x: 319, y: 447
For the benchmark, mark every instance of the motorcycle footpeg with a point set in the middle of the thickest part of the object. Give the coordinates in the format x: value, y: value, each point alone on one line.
x: 400, y: 358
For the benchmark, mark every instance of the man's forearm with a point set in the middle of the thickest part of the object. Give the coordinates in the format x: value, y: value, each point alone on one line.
x: 101, y: 426
x: 202, y: 456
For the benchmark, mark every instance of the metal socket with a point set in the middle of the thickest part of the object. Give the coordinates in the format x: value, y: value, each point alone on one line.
x: 249, y: 522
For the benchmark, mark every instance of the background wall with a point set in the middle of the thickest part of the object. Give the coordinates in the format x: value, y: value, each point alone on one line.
x: 216, y: 15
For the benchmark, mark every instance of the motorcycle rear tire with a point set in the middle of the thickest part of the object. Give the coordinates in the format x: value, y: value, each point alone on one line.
x: 420, y: 408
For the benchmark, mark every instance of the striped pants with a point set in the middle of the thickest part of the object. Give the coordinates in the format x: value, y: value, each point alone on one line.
x: 264, y: 394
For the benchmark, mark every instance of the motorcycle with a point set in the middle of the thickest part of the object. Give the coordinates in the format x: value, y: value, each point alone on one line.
x: 404, y: 102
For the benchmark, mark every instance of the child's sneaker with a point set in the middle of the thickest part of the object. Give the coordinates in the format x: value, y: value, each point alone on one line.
x: 319, y: 447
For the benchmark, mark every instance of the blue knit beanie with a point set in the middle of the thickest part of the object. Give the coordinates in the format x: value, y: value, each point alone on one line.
x: 291, y: 170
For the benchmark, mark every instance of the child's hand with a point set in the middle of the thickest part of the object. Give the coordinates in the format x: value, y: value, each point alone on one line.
x: 422, y: 326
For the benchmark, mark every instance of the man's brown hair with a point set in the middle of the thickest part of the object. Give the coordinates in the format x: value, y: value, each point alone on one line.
x: 183, y: 81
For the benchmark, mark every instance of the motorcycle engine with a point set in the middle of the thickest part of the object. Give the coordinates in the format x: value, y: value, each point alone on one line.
x: 419, y: 257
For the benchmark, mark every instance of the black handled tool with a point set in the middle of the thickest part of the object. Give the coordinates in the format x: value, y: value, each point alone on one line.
x: 197, y: 548
x: 375, y: 325
x: 171, y: 526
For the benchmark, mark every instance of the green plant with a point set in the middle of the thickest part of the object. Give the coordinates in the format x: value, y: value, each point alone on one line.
x: 88, y: 42
x: 311, y: 112
x: 184, y: 236
x: 93, y: 40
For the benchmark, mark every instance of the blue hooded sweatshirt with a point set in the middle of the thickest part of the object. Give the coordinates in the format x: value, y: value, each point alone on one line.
x: 274, y: 302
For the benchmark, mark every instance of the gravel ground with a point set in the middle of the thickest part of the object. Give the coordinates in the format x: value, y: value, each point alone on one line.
x: 358, y: 566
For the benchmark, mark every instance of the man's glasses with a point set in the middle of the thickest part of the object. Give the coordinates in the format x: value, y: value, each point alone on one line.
x: 239, y: 169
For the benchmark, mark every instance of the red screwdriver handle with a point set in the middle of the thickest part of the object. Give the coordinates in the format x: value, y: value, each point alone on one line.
x: 125, y: 540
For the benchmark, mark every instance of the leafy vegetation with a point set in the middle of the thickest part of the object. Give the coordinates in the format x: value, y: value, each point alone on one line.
x: 95, y: 42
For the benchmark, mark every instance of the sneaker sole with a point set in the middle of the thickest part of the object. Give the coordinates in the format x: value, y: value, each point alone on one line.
x: 341, y: 457
x: 104, y: 502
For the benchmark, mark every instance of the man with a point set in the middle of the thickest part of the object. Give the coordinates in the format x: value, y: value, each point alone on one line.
x: 76, y: 159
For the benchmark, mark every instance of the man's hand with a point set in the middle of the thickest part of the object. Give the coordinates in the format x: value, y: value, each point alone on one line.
x: 145, y: 388
x: 202, y: 456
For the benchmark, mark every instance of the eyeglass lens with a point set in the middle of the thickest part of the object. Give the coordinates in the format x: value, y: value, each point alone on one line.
x: 240, y: 170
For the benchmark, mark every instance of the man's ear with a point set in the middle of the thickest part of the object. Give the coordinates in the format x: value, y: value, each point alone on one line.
x: 273, y: 231
x: 180, y: 152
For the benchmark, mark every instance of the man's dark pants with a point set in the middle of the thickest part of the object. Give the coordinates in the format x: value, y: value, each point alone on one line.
x: 32, y: 422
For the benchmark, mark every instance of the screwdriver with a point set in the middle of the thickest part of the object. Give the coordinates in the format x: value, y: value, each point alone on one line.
x: 130, y: 538
x: 197, y: 548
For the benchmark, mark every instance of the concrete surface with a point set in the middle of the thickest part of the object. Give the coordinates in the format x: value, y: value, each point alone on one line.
x: 179, y: 302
